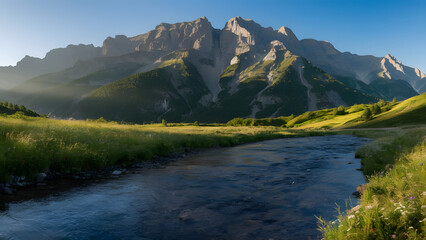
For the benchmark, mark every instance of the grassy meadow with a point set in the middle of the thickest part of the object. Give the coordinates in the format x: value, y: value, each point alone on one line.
x: 31, y: 145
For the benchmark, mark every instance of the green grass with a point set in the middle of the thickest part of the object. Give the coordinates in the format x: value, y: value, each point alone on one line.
x: 32, y: 145
x: 394, y: 203
x: 410, y: 111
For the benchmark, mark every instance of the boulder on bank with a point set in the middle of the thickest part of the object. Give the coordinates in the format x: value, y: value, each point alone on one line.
x: 40, y: 177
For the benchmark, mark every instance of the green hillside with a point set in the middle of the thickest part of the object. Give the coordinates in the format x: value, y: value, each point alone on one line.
x: 168, y: 92
x: 7, y: 108
x: 383, y: 114
x: 58, y: 100
x: 393, y: 88
x: 410, y: 111
x: 361, y: 86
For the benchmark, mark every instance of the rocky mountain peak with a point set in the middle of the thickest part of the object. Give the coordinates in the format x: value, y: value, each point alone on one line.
x: 390, y: 57
x: 166, y: 37
x: 242, y: 35
x: 276, y: 46
x: 419, y: 73
x: 287, y: 32
x: 238, y: 25
x: 390, y: 63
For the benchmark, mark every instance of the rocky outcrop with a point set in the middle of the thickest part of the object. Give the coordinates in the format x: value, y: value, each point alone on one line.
x: 165, y: 37
x: 393, y: 69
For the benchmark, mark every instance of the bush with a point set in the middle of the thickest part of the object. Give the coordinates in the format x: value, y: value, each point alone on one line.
x: 375, y: 109
x: 382, y: 103
x: 196, y: 123
x: 164, y: 122
x: 102, y: 120
x: 367, y: 115
x: 248, y: 122
x: 235, y: 122
x: 339, y: 111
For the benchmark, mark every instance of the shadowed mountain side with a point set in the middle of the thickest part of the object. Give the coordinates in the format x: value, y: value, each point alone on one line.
x: 54, y: 61
x: 169, y: 92
x: 58, y: 100
x: 79, y: 70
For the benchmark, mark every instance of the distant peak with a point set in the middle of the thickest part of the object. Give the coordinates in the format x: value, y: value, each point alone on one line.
x: 239, y: 21
x: 287, y: 32
x: 202, y: 20
x: 390, y: 57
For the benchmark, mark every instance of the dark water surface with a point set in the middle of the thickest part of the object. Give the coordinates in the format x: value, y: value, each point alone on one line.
x: 267, y: 190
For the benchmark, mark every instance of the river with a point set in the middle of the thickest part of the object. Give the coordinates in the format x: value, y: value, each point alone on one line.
x: 266, y: 190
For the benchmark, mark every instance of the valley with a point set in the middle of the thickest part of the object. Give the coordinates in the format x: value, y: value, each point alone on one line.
x: 187, y: 130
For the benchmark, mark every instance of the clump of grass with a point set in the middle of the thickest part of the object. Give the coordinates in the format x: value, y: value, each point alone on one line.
x: 394, y: 203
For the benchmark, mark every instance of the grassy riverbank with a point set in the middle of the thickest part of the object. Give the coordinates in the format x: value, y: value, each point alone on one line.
x: 393, y: 205
x: 32, y: 145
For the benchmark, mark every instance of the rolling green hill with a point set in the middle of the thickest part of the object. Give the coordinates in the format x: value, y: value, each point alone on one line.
x: 7, y: 108
x: 410, y: 111
x: 384, y: 114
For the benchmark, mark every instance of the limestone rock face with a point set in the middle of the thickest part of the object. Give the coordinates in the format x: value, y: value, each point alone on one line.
x: 119, y: 45
x: 393, y: 69
x: 276, y: 46
x: 165, y: 37
x: 243, y: 35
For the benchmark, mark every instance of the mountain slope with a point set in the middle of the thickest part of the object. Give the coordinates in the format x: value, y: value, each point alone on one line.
x: 170, y: 91
x: 54, y: 61
x: 59, y: 99
x: 390, y: 88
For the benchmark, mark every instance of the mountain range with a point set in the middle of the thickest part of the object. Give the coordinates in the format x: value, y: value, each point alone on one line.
x: 191, y: 71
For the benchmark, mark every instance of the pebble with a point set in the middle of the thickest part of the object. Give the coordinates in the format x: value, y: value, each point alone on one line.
x: 40, y: 177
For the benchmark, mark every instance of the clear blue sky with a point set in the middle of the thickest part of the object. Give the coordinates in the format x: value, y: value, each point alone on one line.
x: 30, y: 27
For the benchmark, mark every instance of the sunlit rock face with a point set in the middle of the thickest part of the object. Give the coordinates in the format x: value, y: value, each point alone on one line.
x: 165, y: 37
x: 393, y: 69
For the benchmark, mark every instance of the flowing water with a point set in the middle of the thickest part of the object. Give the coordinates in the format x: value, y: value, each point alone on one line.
x: 266, y: 190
